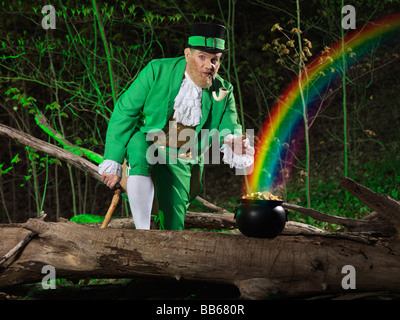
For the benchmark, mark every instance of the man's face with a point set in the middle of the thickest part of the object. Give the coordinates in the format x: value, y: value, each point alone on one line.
x: 200, y: 64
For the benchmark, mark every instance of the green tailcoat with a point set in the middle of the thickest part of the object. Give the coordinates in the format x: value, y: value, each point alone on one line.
x: 149, y: 101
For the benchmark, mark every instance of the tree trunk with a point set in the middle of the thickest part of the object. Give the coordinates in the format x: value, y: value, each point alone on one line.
x: 289, y: 265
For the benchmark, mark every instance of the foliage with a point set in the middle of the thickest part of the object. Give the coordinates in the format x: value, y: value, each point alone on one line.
x: 73, y: 74
x: 87, y: 218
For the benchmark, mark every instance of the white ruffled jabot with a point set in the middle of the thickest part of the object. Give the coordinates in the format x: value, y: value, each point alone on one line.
x: 235, y: 160
x: 188, y: 103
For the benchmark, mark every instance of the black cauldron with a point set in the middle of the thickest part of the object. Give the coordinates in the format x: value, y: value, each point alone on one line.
x: 260, y: 218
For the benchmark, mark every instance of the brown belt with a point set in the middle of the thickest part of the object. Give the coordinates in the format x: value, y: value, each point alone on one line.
x: 170, y: 139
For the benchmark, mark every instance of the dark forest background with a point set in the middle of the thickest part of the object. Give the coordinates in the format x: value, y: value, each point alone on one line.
x: 73, y: 75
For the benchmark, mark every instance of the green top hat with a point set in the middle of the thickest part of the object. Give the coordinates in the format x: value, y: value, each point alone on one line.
x: 208, y: 37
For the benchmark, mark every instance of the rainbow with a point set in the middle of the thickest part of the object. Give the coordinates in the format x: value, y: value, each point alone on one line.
x: 283, y: 131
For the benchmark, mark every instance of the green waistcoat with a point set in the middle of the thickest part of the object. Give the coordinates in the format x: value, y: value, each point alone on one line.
x: 152, y: 96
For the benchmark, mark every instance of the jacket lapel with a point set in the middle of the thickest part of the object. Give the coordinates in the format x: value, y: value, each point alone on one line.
x: 206, y: 104
x: 175, y: 83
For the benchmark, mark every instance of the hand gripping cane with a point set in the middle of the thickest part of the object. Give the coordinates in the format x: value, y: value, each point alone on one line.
x: 118, y: 190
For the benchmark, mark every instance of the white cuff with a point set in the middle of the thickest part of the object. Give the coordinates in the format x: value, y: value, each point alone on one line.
x: 235, y: 160
x: 110, y: 167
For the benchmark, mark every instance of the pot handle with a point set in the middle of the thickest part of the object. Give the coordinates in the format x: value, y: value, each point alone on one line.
x: 235, y: 209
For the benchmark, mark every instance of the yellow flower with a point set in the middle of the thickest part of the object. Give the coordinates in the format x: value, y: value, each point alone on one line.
x: 296, y: 30
x: 290, y: 43
x: 276, y: 26
x: 307, y: 42
x: 275, y: 42
x: 370, y: 132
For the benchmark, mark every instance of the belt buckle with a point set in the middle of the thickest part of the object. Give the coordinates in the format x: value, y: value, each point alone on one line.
x: 205, y: 43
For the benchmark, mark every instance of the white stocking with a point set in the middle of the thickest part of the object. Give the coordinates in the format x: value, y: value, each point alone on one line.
x: 140, y: 190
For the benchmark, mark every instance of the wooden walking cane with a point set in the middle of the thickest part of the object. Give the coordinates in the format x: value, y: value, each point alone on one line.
x: 113, y: 205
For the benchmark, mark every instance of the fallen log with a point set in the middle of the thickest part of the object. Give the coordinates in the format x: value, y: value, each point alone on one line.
x: 19, y: 246
x: 57, y: 152
x: 388, y: 209
x: 216, y: 221
x: 367, y: 224
x: 289, y: 266
x: 193, y: 220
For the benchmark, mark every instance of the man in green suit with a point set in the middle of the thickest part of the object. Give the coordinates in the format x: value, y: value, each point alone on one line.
x: 171, y: 97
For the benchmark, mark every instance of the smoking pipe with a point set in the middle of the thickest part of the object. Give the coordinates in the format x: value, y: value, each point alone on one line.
x: 222, y: 91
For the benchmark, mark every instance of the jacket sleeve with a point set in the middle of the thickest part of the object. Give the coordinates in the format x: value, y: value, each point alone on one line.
x: 229, y: 123
x: 230, y: 128
x: 126, y: 114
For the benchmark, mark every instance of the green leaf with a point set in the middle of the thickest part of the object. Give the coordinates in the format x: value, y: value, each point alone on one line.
x: 16, y: 159
x: 5, y: 170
